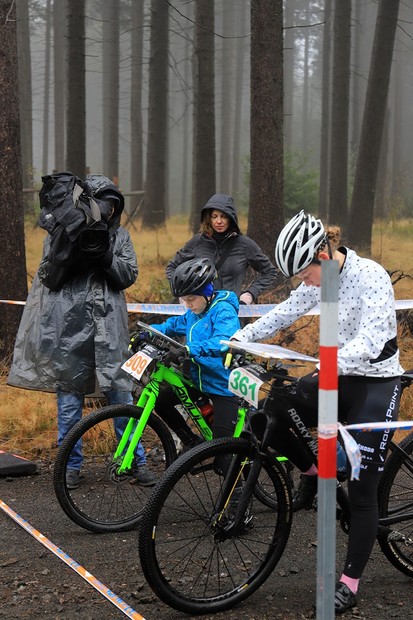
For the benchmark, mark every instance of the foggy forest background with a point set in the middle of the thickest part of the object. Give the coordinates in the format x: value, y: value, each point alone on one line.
x: 284, y: 105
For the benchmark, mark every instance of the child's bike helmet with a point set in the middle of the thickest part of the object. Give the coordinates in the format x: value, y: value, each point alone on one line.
x: 298, y: 243
x: 190, y: 277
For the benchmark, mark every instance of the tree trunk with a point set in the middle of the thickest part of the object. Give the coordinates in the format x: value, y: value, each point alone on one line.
x: 398, y: 127
x: 325, y: 115
x: 59, y: 38
x: 380, y: 202
x: 362, y: 204
x: 154, y: 212
x: 356, y: 77
x: 187, y: 125
x: 227, y: 98
x: 13, y: 277
x: 339, y: 113
x: 266, y: 215
x: 25, y: 99
x: 239, y: 83
x: 46, y: 91
x: 289, y: 41
x: 110, y: 88
x: 137, y: 15
x: 76, y: 89
x: 204, y: 184
x: 306, y: 98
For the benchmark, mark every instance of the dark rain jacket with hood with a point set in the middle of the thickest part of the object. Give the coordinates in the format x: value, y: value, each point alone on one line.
x: 242, y: 253
x: 204, y: 333
x: 75, y: 336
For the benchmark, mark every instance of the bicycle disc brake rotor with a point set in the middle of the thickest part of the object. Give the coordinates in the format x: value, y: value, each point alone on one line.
x: 114, y: 475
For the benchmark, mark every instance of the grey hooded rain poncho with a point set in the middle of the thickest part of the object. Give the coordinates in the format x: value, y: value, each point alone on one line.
x: 68, y: 339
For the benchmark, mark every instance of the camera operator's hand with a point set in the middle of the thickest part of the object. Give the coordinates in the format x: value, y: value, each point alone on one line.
x: 94, y: 245
x: 105, y: 260
x: 176, y: 355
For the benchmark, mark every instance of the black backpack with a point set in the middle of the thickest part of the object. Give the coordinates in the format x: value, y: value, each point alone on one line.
x: 72, y: 217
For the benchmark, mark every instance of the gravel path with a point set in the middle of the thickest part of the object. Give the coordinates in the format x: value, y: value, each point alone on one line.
x: 34, y: 583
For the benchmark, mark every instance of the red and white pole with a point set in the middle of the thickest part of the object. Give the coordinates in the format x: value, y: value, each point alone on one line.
x: 327, y: 441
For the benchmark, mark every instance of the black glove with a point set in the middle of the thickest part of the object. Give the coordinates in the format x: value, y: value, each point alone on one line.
x: 176, y: 355
x: 137, y: 339
x: 105, y: 260
x: 94, y: 244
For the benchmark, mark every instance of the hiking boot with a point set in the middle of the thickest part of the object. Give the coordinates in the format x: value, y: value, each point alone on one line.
x: 72, y: 478
x: 344, y: 598
x: 143, y: 476
x: 307, y: 490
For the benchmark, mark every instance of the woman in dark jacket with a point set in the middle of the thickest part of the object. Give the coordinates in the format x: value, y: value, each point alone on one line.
x: 221, y: 240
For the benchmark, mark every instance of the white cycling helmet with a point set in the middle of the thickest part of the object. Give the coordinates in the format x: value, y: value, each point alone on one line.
x: 298, y: 243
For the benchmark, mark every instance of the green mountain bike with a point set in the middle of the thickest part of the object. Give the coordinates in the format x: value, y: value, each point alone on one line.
x: 109, y: 499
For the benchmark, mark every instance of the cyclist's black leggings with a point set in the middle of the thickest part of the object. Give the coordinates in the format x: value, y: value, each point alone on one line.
x: 360, y: 399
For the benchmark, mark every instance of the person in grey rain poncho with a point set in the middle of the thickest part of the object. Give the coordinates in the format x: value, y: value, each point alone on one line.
x: 75, y: 339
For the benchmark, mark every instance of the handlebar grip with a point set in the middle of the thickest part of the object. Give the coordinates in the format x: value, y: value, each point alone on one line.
x: 228, y: 360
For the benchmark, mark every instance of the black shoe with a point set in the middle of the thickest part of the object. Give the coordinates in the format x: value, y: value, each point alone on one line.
x: 72, y: 478
x: 188, y: 445
x: 306, y: 493
x: 344, y: 598
x: 143, y: 476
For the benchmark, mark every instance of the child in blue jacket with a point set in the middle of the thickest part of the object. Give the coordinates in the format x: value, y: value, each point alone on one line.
x: 211, y: 316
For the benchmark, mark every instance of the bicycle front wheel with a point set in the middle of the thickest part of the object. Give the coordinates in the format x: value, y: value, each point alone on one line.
x: 396, y: 507
x: 190, y: 556
x: 106, y: 501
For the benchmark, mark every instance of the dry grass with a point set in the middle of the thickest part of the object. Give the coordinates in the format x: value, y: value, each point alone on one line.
x: 28, y: 419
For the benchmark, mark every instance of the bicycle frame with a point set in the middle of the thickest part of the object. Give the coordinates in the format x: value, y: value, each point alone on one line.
x: 278, y: 390
x: 134, y: 428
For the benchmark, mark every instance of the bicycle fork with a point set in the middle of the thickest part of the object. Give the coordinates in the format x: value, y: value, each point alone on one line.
x: 134, y: 430
x: 240, y: 482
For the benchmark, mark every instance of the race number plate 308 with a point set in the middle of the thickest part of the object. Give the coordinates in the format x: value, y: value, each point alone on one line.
x: 137, y: 364
x: 245, y: 384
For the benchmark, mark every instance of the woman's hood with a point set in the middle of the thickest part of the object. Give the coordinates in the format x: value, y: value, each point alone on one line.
x: 224, y: 203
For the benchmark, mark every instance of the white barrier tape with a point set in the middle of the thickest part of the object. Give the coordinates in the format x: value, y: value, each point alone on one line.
x: 351, y: 446
x: 381, y: 426
x: 352, y: 450
x: 88, y: 577
x: 254, y: 310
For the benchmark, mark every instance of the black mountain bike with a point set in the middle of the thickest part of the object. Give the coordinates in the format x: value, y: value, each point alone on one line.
x: 207, y: 542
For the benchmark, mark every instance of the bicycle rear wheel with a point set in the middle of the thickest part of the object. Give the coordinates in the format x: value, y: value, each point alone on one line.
x: 396, y: 506
x: 106, y: 501
x: 188, y: 554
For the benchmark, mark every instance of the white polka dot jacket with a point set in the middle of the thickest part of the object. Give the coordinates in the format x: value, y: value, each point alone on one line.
x: 367, y: 331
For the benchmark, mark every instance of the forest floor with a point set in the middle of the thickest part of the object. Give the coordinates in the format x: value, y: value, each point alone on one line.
x: 35, y: 583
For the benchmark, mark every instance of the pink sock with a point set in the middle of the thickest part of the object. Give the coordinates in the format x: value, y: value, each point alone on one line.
x: 313, y: 471
x: 353, y: 584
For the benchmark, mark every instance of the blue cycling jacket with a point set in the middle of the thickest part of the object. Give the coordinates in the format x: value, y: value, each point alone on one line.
x: 204, y: 333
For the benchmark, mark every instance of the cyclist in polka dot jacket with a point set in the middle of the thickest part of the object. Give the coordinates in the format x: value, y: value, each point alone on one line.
x: 368, y: 365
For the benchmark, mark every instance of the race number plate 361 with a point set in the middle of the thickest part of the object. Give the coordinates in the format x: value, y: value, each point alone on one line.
x: 245, y: 384
x: 136, y: 364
